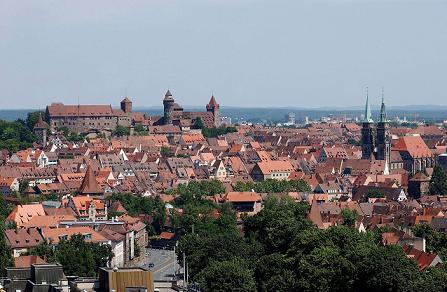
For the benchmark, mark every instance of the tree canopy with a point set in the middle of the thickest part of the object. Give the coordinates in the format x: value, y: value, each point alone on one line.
x: 15, y: 136
x: 68, y: 253
x: 273, y: 186
x: 281, y: 250
x: 214, y: 132
x: 121, y: 131
x: 438, y: 182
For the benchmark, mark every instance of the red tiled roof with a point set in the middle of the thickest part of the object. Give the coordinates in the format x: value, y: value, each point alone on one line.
x: 240, y: 197
x: 414, y: 145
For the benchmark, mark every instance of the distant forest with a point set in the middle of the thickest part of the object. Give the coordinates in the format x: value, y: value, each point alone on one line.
x: 277, y: 115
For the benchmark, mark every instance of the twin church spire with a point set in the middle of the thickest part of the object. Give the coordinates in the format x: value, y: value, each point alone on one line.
x: 368, y: 116
x: 376, y: 142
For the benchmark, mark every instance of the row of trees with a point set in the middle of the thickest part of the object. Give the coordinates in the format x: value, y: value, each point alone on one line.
x: 281, y: 250
x: 212, y: 132
x: 18, y: 135
x: 273, y: 186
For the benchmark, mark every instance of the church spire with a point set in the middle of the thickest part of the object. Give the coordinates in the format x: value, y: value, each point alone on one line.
x: 382, y: 110
x: 368, y: 116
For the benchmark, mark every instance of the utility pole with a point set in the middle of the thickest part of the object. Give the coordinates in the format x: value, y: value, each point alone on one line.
x: 175, y: 263
x: 184, y: 271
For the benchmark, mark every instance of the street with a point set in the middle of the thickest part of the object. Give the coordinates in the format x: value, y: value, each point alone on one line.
x: 163, y: 264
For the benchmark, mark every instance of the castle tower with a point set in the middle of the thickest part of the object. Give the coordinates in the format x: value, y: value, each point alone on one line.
x: 213, y: 107
x: 40, y: 130
x: 383, y: 139
x: 126, y: 105
x: 168, y: 105
x: 367, y: 131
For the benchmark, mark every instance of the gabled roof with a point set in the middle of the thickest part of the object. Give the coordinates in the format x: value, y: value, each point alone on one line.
x: 240, y: 197
x: 275, y: 166
x: 212, y: 103
x: 414, y: 145
x: 423, y: 259
x: 54, y: 235
x: 27, y: 261
x: 40, y: 124
x: 89, y: 185
x: 315, y: 215
x: 23, y: 238
x: 22, y: 214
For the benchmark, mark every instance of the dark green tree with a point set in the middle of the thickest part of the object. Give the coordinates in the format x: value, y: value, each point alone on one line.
x: 166, y: 152
x: 349, y: 217
x: 121, y: 131
x: 375, y: 193
x: 140, y: 130
x: 228, y: 275
x: 93, y: 256
x: 438, y: 182
x: 436, y: 241
x: 32, y: 117
x: 198, y: 124
x: 43, y: 250
x: 5, y: 208
x: 6, y: 259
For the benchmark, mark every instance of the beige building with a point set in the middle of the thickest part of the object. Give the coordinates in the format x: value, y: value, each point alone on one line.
x: 89, y: 118
x: 278, y: 169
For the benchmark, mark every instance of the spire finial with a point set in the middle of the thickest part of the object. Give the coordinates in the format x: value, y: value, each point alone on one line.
x: 382, y: 108
x: 368, y: 116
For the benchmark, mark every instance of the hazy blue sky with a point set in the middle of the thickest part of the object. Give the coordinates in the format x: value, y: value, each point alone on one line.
x: 248, y: 52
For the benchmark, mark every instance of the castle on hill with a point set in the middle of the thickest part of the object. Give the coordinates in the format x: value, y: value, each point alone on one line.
x: 100, y: 118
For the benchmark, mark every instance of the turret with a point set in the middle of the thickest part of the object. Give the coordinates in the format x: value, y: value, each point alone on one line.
x: 126, y: 105
x: 213, y: 107
x: 40, y: 130
x: 168, y: 104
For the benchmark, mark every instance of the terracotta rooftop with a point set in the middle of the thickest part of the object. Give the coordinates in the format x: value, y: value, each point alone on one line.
x: 22, y: 214
x: 89, y: 185
x: 414, y: 145
x: 240, y: 197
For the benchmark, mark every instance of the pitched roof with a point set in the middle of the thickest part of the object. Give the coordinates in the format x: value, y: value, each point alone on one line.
x: 27, y: 261
x: 54, y: 235
x: 213, y: 103
x: 315, y: 215
x: 275, y: 166
x: 48, y: 221
x: 89, y: 185
x: 423, y: 259
x: 168, y: 95
x: 40, y: 124
x: 414, y: 145
x: 240, y: 197
x: 22, y: 214
x: 23, y: 238
x: 61, y: 110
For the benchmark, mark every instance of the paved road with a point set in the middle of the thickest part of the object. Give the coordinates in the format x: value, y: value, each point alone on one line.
x: 163, y: 264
